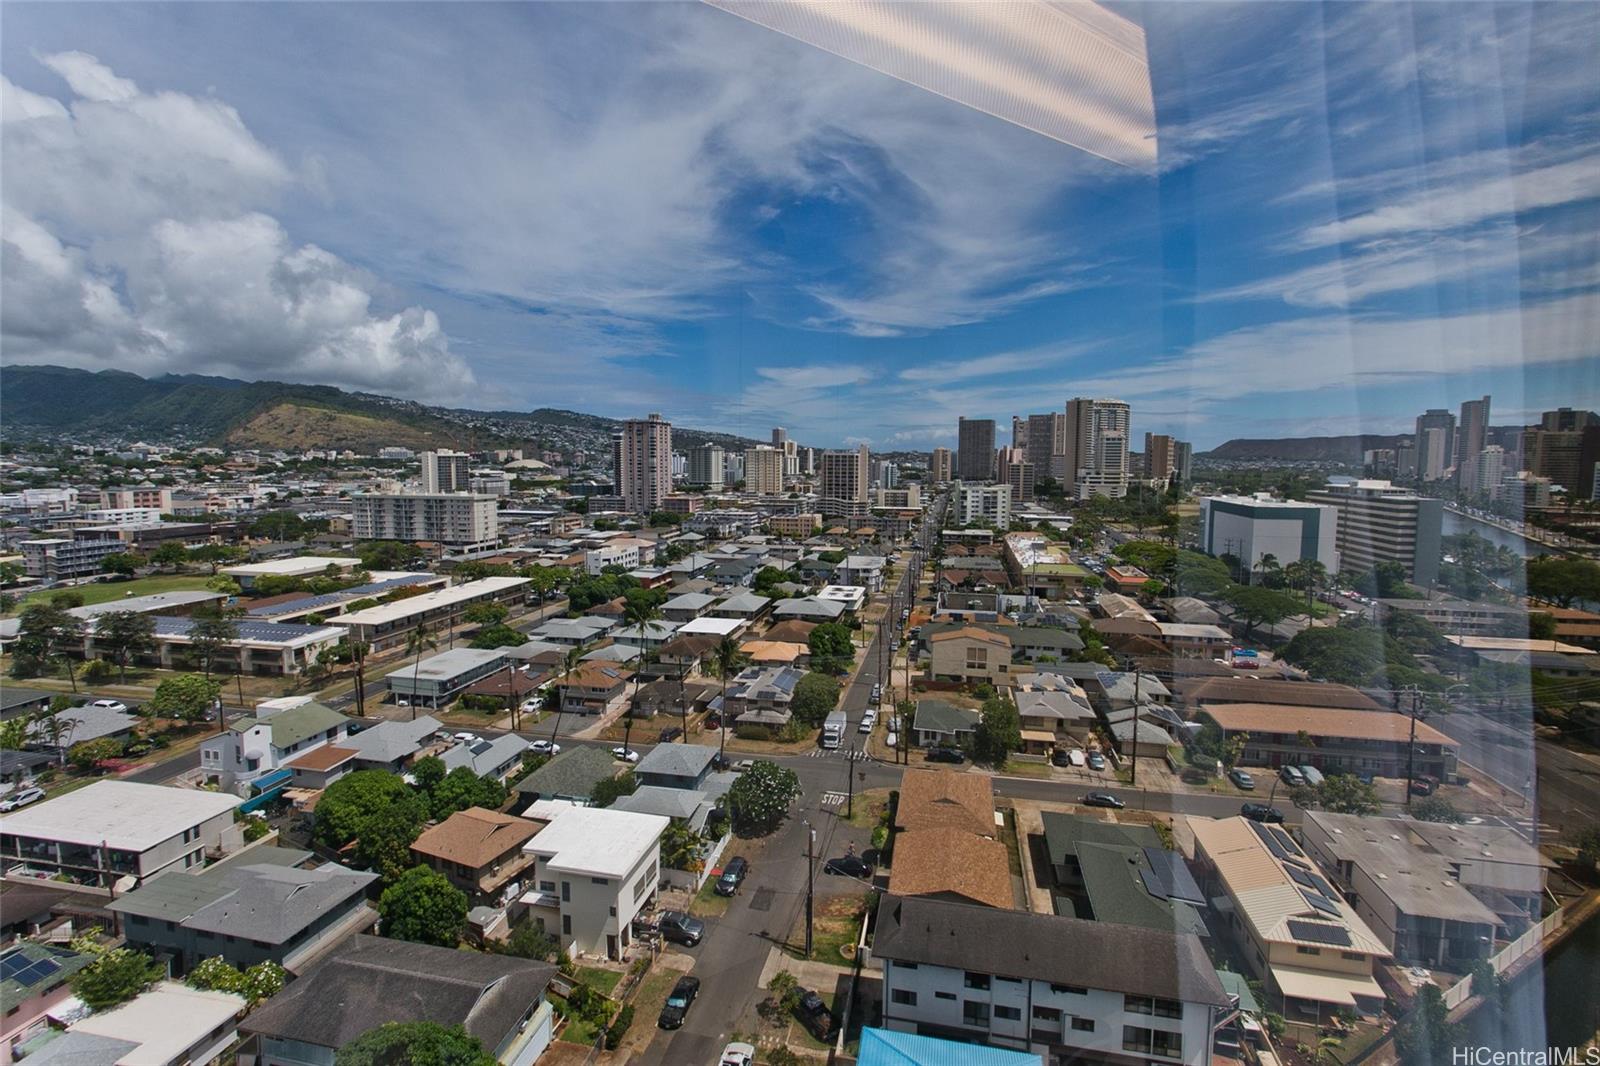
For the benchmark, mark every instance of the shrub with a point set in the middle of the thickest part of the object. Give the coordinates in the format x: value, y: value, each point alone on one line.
x: 619, y: 1027
x: 97, y: 671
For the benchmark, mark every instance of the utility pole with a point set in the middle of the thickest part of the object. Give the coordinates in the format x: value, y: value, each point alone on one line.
x: 1411, y: 746
x: 811, y: 875
x: 850, y: 781
x: 1133, y: 771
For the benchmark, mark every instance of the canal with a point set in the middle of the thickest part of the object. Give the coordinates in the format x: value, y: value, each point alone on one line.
x: 1553, y: 1005
x: 1460, y: 523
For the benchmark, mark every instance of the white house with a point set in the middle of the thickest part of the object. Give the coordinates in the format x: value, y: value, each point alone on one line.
x: 1019, y: 980
x: 170, y: 1025
x: 280, y: 730
x: 596, y: 868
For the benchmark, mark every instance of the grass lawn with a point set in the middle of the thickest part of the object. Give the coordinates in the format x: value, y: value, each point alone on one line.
x: 869, y: 808
x: 838, y: 921
x: 578, y: 1032
x: 1008, y: 837
x: 105, y: 591
x: 706, y: 902
x: 598, y: 978
x: 1018, y: 768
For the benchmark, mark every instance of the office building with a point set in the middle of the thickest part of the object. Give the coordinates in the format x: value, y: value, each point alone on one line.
x: 1183, y: 461
x: 1096, y: 460
x: 1046, y: 444
x: 763, y: 470
x: 1557, y: 454
x: 844, y: 483
x: 1484, y: 471
x: 1567, y: 420
x: 1472, y: 433
x: 975, y: 449
x: 706, y: 465
x: 780, y: 437
x: 981, y: 503
x: 1436, y: 448
x: 450, y: 519
x: 445, y: 471
x: 644, y: 463
x: 940, y: 468
x: 1252, y: 527
x: 146, y: 495
x: 1381, y: 522
x: 1160, y: 456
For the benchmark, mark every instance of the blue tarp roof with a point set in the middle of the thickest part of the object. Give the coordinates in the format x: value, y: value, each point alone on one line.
x: 884, y: 1047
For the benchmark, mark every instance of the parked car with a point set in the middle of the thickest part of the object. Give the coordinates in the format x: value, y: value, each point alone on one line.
x: 815, y: 1015
x: 1102, y: 799
x: 670, y: 734
x: 21, y: 798
x: 1075, y: 756
x: 1096, y: 761
x: 627, y: 755
x: 679, y: 928
x: 466, y: 738
x: 531, y: 705
x: 1423, y: 785
x: 1312, y: 775
x: 1260, y: 812
x: 1292, y: 776
x: 868, y: 720
x: 877, y: 695
x: 733, y: 875
x: 678, y: 1002
x: 713, y: 721
x: 743, y: 764
x: 947, y: 754
x: 738, y: 1053
x: 544, y: 747
x: 892, y: 739
x: 110, y: 705
x: 1059, y: 758
x: 848, y: 866
x: 1242, y: 779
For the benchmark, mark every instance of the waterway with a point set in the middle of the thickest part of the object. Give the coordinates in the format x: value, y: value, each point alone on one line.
x: 1460, y: 523
x: 1553, y: 1005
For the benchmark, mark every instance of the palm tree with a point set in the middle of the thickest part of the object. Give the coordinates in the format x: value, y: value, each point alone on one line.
x: 1268, y: 567
x: 639, y: 613
x: 728, y: 658
x: 569, y: 666
x: 419, y: 639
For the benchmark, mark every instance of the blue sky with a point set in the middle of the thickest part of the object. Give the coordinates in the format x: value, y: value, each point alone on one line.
x: 1358, y: 212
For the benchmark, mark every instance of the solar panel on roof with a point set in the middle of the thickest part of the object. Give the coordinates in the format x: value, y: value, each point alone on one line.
x: 1318, y: 933
x: 11, y: 965
x: 1323, y: 886
x: 1283, y: 839
x: 1321, y: 902
x: 1270, y: 841
x: 1169, y: 878
x: 32, y: 974
x: 1301, y: 877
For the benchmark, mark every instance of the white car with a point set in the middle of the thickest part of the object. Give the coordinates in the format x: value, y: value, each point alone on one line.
x: 868, y: 720
x: 467, y: 738
x: 21, y: 798
x: 1076, y: 757
x: 738, y: 1053
x: 892, y: 739
x: 627, y: 755
x: 544, y: 747
x: 530, y: 706
x: 110, y: 705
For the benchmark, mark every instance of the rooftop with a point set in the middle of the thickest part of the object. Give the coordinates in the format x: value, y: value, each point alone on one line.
x: 324, y: 758
x: 677, y: 760
x: 448, y: 665
x: 597, y: 841
x: 1294, y: 693
x: 571, y: 774
x: 1258, y: 718
x: 120, y: 814
x: 411, y: 606
x: 294, y: 566
x: 947, y: 863
x: 160, y: 1024
x: 931, y: 799
x: 475, y: 837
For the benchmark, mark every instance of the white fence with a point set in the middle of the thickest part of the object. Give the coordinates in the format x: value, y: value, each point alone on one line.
x: 1524, y: 945
x: 693, y: 881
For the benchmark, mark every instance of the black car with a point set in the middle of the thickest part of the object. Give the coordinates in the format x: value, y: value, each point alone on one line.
x: 1260, y: 812
x: 1103, y: 799
x: 679, y: 928
x: 679, y: 1002
x: 950, y: 755
x: 1059, y: 757
x: 670, y: 734
x: 848, y: 866
x: 815, y: 1016
x: 733, y: 875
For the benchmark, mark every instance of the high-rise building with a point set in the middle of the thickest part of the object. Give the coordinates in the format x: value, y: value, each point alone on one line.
x: 1472, y: 433
x: 1488, y: 467
x: 844, y: 483
x: 445, y: 471
x: 1555, y: 454
x: 1012, y: 468
x: 780, y: 436
x: 706, y: 465
x: 1567, y: 420
x: 885, y: 474
x: 939, y: 466
x: 1019, y: 431
x: 763, y: 470
x: 808, y: 461
x: 1096, y: 460
x: 1253, y: 527
x: 981, y: 503
x: 975, y: 449
x: 644, y: 463
x: 733, y: 468
x: 791, y: 458
x: 1046, y: 446
x: 1435, y: 450
x: 452, y: 519
x: 1183, y: 461
x: 1381, y: 522
x: 1160, y: 456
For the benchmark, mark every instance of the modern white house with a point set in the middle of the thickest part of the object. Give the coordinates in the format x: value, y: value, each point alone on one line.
x: 1017, y: 980
x: 281, y: 729
x: 595, y: 869
x: 112, y: 830
x: 170, y: 1025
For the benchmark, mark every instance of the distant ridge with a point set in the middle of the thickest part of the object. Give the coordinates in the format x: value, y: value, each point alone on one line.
x: 1346, y: 449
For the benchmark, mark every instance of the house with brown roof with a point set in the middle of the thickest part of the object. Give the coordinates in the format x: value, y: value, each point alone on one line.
x: 945, y: 799
x: 790, y: 632
x: 776, y: 652
x: 1335, y: 740
x: 322, y: 766
x: 1202, y: 691
x: 592, y: 686
x: 479, y: 850
x: 970, y: 655
x: 952, y: 864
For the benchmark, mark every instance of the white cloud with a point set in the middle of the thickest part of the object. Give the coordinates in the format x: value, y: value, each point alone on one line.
x: 133, y: 239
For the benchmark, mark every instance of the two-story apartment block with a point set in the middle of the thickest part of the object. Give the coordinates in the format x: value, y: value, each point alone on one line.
x: 260, y: 906
x: 596, y: 869
x: 279, y: 730
x: 970, y: 655
x: 480, y: 851
x: 760, y: 695
x: 1382, y: 743
x: 1018, y: 980
x: 110, y: 830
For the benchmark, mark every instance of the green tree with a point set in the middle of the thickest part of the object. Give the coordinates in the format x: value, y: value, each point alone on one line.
x: 760, y: 798
x: 422, y: 906
x: 460, y: 789
x: 186, y: 697
x: 1347, y: 794
x: 170, y: 554
x: 1561, y: 580
x: 1435, y: 809
x: 384, y: 844
x: 486, y: 614
x: 279, y: 525
x: 815, y: 697
x: 123, y: 635
x: 498, y: 636
x: 260, y: 982
x: 528, y: 941
x: 428, y: 771
x: 115, y: 977
x: 14, y: 734
x: 1256, y: 605
x: 47, y: 633
x: 210, y: 635
x: 349, y: 804
x: 680, y: 847
x: 608, y: 790
x: 414, y: 1044
x: 214, y: 555
x: 1425, y: 1036
x: 999, y: 731
x: 832, y: 647
x: 728, y: 660
x: 91, y: 753
x: 123, y: 564
x: 386, y: 555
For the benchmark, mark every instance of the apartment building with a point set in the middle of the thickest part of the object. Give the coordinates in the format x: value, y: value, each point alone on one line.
x: 844, y: 482
x: 595, y: 870
x: 794, y: 525
x: 1253, y: 527
x: 456, y: 520
x: 642, y: 454
x: 57, y: 558
x: 1040, y: 568
x: 970, y: 655
x: 1339, y: 741
x: 763, y: 470
x: 1472, y: 435
x: 1018, y: 980
x: 1044, y: 444
x: 1436, y: 444
x: 980, y: 503
x: 940, y: 467
x: 975, y: 449
x: 1096, y: 460
x: 152, y: 496
x: 446, y: 471
x: 1160, y: 456
x: 1381, y: 522
x: 480, y: 852
x: 707, y: 465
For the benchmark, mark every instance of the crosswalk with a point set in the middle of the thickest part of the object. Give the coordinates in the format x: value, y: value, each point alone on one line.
x: 853, y: 754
